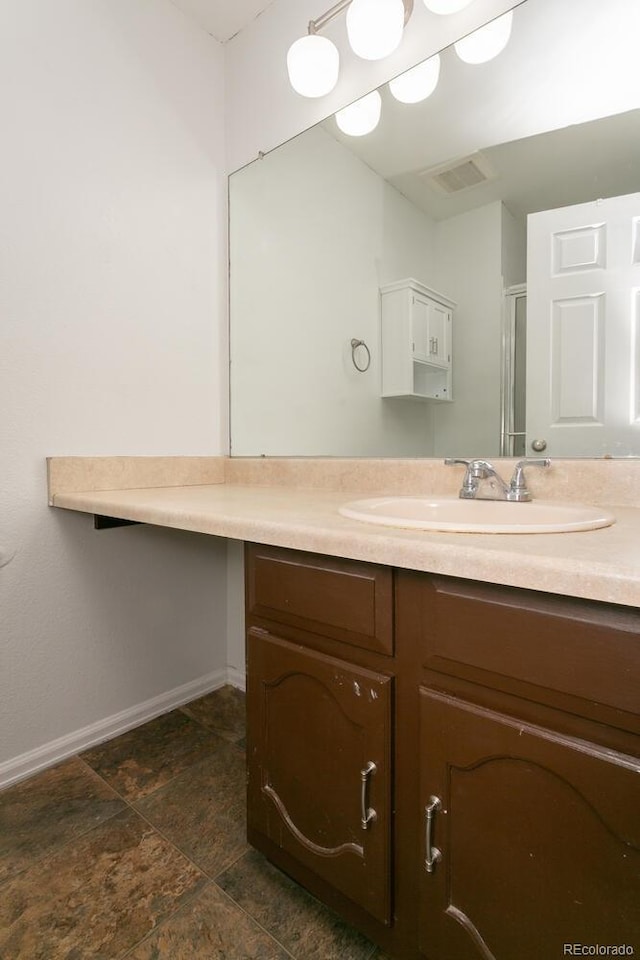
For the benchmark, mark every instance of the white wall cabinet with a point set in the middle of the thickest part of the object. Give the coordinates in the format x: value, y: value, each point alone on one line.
x: 416, y: 336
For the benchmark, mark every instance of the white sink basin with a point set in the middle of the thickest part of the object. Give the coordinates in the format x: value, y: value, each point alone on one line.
x: 476, y: 516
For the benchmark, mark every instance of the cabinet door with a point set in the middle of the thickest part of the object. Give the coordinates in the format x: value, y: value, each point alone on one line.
x: 420, y: 328
x: 538, y: 838
x: 439, y: 335
x: 430, y: 331
x: 316, y: 727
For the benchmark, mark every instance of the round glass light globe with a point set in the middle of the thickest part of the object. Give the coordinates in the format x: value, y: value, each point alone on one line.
x: 361, y: 117
x: 313, y: 63
x: 446, y: 6
x: 486, y: 43
x: 374, y: 27
x: 418, y: 83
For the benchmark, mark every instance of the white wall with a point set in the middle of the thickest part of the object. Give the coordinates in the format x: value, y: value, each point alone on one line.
x: 112, y: 293
x: 469, y: 257
x: 514, y: 249
x: 314, y: 235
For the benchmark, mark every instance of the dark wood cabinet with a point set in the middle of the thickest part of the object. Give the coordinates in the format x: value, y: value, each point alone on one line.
x: 320, y: 721
x: 537, y: 837
x: 503, y: 728
x: 319, y: 774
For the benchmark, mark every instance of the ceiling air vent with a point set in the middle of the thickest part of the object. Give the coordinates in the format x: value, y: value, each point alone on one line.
x: 458, y: 175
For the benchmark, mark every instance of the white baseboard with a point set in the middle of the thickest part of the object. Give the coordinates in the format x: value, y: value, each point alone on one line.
x: 236, y: 678
x: 50, y: 753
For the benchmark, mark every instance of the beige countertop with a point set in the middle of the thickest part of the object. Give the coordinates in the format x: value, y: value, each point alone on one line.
x: 600, y: 564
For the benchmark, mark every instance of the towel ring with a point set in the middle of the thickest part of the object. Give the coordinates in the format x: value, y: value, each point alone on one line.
x: 354, y: 346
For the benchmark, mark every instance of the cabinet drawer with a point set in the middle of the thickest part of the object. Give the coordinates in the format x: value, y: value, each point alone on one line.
x: 342, y: 599
x: 575, y: 654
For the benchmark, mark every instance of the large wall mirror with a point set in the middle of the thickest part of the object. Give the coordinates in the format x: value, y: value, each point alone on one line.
x: 511, y: 196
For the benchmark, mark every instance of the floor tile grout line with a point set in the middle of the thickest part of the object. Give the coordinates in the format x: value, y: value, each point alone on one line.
x: 157, y: 789
x: 254, y: 920
x: 185, y: 709
x: 211, y: 880
x: 188, y: 901
x: 173, y: 844
x: 98, y: 775
x: 128, y: 806
x: 210, y: 876
x: 229, y: 866
x: 54, y: 851
x: 369, y: 956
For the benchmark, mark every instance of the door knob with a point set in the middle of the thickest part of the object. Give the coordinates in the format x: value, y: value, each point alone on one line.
x: 538, y: 445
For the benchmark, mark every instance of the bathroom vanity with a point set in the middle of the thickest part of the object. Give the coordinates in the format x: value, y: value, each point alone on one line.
x: 452, y: 765
x: 443, y: 729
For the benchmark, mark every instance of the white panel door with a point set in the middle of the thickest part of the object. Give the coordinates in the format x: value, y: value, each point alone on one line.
x: 583, y: 281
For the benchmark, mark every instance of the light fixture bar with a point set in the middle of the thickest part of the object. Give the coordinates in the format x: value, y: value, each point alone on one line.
x: 321, y: 22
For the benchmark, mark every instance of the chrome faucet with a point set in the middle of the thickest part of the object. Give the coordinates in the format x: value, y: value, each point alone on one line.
x: 495, y: 489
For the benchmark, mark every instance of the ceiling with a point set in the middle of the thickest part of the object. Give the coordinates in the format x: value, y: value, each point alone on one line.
x: 223, y: 18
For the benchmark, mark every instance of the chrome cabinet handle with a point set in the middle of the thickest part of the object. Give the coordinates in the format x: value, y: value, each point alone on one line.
x: 432, y: 854
x: 367, y: 814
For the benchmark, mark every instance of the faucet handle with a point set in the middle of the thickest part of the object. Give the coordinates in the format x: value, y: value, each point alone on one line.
x: 479, y: 469
x: 470, y: 482
x: 518, y: 487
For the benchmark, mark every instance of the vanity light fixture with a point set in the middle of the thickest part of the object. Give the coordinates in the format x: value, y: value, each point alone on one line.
x: 313, y: 63
x: 486, y: 43
x: 361, y: 117
x: 374, y: 28
x: 418, y: 83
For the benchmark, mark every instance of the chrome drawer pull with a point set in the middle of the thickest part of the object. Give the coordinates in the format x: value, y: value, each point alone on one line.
x: 367, y: 815
x: 432, y: 854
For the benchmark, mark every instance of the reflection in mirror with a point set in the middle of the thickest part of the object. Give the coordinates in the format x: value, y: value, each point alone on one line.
x: 511, y: 200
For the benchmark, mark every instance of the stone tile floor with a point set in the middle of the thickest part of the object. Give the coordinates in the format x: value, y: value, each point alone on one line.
x: 136, y: 849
